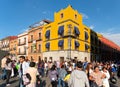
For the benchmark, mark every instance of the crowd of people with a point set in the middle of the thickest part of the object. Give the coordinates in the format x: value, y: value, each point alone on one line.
x: 71, y: 73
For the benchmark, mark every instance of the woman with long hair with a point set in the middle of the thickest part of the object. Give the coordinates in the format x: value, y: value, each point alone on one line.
x: 89, y: 70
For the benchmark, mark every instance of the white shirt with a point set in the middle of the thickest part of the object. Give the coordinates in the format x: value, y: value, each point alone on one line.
x: 106, y: 79
x: 25, y: 66
x: 3, y: 62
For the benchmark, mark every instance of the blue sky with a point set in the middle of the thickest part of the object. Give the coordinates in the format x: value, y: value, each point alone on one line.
x: 103, y: 16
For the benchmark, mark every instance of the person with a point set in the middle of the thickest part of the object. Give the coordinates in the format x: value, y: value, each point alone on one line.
x: 46, y: 68
x: 66, y: 78
x: 3, y: 64
x: 52, y: 74
x: 78, y: 77
x: 22, y: 70
x: 62, y: 74
x: 85, y: 63
x: 107, y: 77
x: 89, y: 70
x: 33, y: 73
x: 8, y: 68
x: 97, y: 76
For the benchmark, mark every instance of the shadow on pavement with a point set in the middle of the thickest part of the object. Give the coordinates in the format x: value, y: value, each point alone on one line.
x: 11, y: 82
x: 113, y: 85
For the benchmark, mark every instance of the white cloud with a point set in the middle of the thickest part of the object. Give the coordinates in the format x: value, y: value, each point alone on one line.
x: 85, y: 16
x: 92, y: 26
x: 115, y: 37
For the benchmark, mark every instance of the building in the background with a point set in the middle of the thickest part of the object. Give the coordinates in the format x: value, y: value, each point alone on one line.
x: 67, y: 37
x: 95, y: 42
x: 22, y: 48
x: 35, y: 40
x: 108, y: 50
x: 5, y: 43
x: 13, y: 46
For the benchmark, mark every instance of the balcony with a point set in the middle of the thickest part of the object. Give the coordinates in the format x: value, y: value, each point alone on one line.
x: 22, y: 43
x: 69, y: 34
x: 30, y: 41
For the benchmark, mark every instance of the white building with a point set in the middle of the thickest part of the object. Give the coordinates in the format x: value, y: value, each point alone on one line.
x: 23, y: 44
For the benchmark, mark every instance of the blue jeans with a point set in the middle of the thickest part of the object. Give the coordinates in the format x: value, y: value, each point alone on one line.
x: 21, y: 82
x: 3, y: 76
x: 61, y: 83
x: 41, y: 71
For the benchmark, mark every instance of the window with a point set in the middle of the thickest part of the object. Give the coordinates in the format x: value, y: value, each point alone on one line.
x: 75, y: 16
x: 75, y: 58
x: 32, y: 59
x: 47, y: 35
x: 77, y: 45
x: 31, y: 49
x: 76, y: 31
x: 61, y: 44
x: 39, y: 36
x: 48, y: 46
x: 86, y: 35
x: 45, y: 59
x: 61, y: 30
x: 24, y: 50
x: 50, y: 58
x: 61, y: 15
x: 39, y: 48
x: 86, y: 47
x: 19, y: 41
x: 24, y: 40
x: 92, y: 48
x: 31, y: 37
x: 19, y: 50
x: 61, y: 59
x: 39, y: 59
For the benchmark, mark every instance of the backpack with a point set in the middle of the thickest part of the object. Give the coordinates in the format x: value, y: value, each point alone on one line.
x: 26, y: 79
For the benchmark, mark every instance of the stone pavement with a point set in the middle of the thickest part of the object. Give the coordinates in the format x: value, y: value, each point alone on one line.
x: 14, y: 82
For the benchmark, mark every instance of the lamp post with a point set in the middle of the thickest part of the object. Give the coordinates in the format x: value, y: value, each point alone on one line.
x: 69, y: 41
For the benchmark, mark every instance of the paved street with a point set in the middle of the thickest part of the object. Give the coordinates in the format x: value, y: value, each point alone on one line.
x: 14, y: 82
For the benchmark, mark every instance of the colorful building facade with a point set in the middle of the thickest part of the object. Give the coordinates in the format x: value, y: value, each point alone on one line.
x: 67, y: 37
x: 35, y: 40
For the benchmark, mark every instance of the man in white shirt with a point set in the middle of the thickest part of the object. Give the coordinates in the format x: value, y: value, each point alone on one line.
x: 22, y: 70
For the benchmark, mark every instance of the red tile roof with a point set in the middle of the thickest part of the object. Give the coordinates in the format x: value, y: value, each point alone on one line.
x: 12, y: 37
x: 109, y: 43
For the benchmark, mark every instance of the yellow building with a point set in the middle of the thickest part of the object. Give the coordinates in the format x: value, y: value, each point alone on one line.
x: 67, y: 37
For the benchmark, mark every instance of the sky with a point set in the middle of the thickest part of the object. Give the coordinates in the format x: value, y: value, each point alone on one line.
x: 103, y: 16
